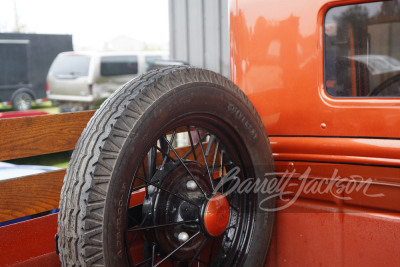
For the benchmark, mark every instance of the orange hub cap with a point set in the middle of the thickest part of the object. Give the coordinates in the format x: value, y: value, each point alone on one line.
x: 216, y: 215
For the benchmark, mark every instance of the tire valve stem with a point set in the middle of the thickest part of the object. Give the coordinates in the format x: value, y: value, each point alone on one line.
x: 183, y: 236
x: 191, y: 185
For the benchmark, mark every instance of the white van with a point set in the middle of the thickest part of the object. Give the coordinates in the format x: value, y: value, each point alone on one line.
x: 79, y: 80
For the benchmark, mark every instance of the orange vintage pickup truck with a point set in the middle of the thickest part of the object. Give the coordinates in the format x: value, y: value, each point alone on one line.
x: 180, y: 167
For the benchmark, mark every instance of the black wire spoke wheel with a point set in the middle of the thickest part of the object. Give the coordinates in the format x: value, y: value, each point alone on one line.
x: 154, y: 178
x: 186, y: 218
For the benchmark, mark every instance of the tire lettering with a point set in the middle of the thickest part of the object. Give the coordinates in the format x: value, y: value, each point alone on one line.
x: 119, y: 221
x: 239, y: 115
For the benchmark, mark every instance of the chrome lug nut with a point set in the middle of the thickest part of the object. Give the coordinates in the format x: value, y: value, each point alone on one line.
x: 191, y: 185
x: 183, y: 236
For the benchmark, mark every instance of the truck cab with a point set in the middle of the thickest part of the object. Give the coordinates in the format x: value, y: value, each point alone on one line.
x: 324, y: 78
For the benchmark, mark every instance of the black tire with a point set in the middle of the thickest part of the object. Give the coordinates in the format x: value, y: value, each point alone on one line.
x: 95, y: 220
x: 22, y: 101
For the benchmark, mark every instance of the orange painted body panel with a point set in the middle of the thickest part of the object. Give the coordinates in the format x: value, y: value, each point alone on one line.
x: 380, y: 195
x: 277, y: 59
x: 309, y: 234
x: 345, y: 150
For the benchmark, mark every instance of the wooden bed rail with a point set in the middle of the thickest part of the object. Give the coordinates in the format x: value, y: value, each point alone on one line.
x: 38, y: 135
x: 33, y: 136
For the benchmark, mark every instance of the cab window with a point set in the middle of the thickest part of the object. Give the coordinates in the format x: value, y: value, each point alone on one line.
x: 362, y: 50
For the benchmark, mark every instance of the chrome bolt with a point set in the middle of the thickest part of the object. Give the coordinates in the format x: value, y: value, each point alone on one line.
x: 183, y: 236
x: 191, y: 185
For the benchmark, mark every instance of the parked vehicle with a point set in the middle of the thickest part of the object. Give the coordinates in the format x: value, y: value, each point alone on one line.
x: 162, y: 63
x: 78, y: 80
x: 24, y: 62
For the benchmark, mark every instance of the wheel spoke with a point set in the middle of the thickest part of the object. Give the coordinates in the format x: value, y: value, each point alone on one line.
x: 231, y: 184
x: 142, y: 262
x: 151, y: 161
x: 163, y: 145
x: 164, y: 140
x: 205, y: 160
x: 215, y: 157
x: 164, y: 154
x: 211, y: 253
x: 198, y: 252
x: 195, y: 146
x: 233, y: 207
x: 191, y: 143
x: 209, y: 145
x: 184, y: 165
x: 153, y: 254
x: 133, y: 219
x: 144, y: 170
x: 169, y: 192
x: 175, y: 250
x: 161, y: 225
x: 135, y: 235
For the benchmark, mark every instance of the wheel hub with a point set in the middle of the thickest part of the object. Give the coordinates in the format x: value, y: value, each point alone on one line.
x: 162, y: 207
x: 216, y: 215
x: 209, y: 216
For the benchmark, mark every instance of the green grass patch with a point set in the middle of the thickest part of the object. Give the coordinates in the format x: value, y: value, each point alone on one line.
x: 45, y: 106
x: 60, y: 159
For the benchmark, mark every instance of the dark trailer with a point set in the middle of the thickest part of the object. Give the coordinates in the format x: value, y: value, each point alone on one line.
x: 25, y: 60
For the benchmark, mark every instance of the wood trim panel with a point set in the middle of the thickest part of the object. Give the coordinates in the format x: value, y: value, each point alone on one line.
x: 38, y: 135
x: 29, y: 195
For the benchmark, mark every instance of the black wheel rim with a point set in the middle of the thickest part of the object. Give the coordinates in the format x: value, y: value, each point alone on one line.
x: 178, y: 177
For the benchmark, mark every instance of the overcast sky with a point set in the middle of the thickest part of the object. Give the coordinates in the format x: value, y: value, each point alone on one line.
x: 90, y: 22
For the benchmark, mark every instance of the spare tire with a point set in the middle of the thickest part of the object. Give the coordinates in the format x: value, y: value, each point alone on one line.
x: 166, y: 139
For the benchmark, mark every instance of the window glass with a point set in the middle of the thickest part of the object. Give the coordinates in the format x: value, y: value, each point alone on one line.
x: 70, y: 66
x: 150, y: 60
x: 362, y: 50
x: 119, y: 65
